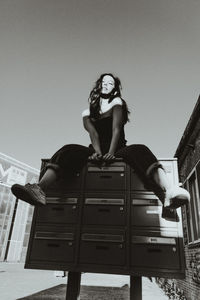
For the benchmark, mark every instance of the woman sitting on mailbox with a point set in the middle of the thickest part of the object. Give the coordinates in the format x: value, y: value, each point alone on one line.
x: 105, y: 120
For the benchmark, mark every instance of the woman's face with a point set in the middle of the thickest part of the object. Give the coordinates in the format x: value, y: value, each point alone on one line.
x: 108, y: 84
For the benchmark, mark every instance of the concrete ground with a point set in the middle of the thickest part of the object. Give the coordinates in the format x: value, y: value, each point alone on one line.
x: 16, y: 282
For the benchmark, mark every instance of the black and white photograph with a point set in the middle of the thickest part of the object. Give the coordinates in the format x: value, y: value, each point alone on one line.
x: 100, y: 150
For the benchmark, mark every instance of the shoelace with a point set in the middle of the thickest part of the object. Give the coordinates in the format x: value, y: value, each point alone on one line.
x: 35, y: 185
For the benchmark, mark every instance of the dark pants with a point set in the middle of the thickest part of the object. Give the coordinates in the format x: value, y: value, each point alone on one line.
x: 71, y: 158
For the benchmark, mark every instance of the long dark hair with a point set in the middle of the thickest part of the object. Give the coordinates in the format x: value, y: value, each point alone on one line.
x: 95, y: 94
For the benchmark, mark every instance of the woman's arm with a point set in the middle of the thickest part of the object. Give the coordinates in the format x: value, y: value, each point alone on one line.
x: 116, y: 129
x: 94, y: 137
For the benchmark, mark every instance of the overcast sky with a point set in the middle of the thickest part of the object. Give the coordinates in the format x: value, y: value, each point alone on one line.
x: 52, y: 52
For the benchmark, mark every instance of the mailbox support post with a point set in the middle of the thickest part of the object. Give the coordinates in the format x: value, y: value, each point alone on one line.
x: 135, y: 288
x: 73, y: 285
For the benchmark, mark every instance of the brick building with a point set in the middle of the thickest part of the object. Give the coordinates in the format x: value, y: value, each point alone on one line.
x: 188, y: 154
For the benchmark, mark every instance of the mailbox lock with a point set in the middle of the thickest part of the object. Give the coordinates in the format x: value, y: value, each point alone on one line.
x: 120, y: 246
x: 121, y: 208
x: 74, y: 207
x: 174, y: 249
x: 70, y: 244
x: 122, y: 174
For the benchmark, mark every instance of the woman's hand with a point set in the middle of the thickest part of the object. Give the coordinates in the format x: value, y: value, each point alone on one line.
x: 108, y: 157
x: 95, y: 156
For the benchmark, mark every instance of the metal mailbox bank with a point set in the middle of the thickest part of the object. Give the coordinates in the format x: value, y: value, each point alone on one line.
x: 103, y: 220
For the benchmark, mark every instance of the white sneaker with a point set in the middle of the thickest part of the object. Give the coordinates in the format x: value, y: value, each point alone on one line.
x: 176, y: 197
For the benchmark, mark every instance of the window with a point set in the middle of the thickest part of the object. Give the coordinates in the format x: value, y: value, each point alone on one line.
x: 192, y: 211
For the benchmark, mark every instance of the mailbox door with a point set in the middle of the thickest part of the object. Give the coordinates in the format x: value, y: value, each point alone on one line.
x: 61, y: 209
x: 101, y: 209
x: 53, y: 244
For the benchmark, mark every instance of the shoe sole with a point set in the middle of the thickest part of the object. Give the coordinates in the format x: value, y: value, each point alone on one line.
x: 171, y: 219
x: 23, y: 194
x: 178, y: 202
x: 170, y: 216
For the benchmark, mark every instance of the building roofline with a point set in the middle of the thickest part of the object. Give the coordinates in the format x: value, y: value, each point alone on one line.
x: 17, y: 162
x: 189, y: 128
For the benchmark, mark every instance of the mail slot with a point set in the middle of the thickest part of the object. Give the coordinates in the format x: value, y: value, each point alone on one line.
x: 53, y: 244
x: 111, y: 177
x: 146, y: 210
x: 104, y: 211
x: 103, y: 249
x: 59, y: 210
x: 155, y: 252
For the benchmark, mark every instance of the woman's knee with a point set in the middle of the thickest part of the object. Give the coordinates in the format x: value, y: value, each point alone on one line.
x: 138, y: 148
x: 74, y: 149
x: 70, y: 152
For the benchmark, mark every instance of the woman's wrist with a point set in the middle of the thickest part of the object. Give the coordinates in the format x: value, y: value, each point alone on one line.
x: 112, y: 152
x: 98, y: 151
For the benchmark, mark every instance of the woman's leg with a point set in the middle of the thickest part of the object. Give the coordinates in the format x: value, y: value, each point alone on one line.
x: 150, y: 170
x: 68, y: 160
x: 172, y: 196
x: 140, y: 158
x: 49, y: 177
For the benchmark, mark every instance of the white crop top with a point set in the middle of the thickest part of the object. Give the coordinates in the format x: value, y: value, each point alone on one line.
x: 104, y: 106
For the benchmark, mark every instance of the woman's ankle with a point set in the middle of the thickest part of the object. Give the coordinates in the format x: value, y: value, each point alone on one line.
x: 49, y: 177
x: 43, y: 186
